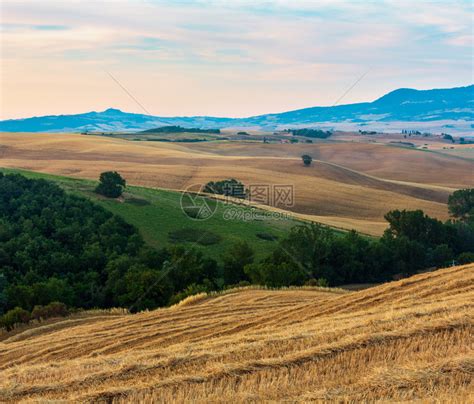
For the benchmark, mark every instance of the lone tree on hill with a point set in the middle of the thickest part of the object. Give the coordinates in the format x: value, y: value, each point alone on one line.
x: 111, y: 184
x: 307, y: 160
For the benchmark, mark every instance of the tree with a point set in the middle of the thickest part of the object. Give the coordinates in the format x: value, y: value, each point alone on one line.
x: 187, y: 266
x: 417, y: 226
x: 461, y: 204
x: 406, y: 255
x: 307, y: 160
x: 465, y: 258
x: 145, y: 288
x: 55, y: 247
x: 3, y: 292
x: 308, y: 132
x: 447, y: 136
x: 235, y: 259
x: 441, y: 255
x: 111, y: 184
x: 307, y: 246
x: 276, y: 275
x: 230, y: 187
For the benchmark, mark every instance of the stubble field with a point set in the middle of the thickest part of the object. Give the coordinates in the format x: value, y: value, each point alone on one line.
x: 349, y: 185
x: 400, y: 341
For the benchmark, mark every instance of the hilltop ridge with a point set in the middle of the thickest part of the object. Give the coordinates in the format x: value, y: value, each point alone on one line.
x: 452, y: 109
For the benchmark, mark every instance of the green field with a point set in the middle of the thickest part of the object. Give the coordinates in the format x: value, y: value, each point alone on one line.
x: 157, y: 213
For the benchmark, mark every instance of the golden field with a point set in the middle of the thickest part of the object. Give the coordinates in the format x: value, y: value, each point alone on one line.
x: 350, y: 184
x: 401, y: 341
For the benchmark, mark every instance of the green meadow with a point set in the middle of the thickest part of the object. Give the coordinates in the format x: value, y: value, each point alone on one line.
x: 158, y: 215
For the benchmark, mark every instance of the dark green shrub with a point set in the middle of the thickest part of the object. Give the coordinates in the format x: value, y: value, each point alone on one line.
x: 317, y: 282
x: 13, y: 317
x: 53, y: 309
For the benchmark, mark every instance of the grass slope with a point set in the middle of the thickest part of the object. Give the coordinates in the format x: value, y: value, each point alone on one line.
x: 157, y: 212
x: 400, y: 341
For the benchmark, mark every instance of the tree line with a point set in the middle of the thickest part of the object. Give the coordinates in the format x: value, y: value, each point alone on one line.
x: 180, y: 129
x: 61, y: 249
x: 310, y: 132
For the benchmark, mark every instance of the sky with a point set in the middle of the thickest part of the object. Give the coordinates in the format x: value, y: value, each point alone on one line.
x: 225, y: 58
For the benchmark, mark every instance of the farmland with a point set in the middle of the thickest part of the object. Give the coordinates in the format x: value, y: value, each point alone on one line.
x: 404, y: 340
x: 349, y: 185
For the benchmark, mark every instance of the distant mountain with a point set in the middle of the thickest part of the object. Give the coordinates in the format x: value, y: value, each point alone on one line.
x: 452, y: 109
x: 400, y: 105
x: 108, y: 120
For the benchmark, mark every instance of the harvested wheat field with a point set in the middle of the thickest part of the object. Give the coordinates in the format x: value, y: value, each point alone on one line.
x: 349, y: 185
x: 404, y: 340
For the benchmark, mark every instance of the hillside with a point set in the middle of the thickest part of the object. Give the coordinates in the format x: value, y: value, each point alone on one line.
x: 349, y: 185
x: 448, y: 108
x: 404, y: 340
x: 157, y: 214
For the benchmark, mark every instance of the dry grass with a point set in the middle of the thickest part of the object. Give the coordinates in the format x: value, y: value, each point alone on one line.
x: 350, y: 185
x: 401, y: 341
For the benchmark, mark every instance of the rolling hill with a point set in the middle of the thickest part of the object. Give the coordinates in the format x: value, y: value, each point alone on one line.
x: 350, y: 185
x: 157, y: 214
x: 402, y: 341
x: 448, y: 109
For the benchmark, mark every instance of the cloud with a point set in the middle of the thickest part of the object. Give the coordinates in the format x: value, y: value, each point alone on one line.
x: 281, y: 54
x: 50, y: 27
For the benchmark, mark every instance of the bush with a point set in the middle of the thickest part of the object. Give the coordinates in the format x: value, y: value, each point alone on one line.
x: 53, y: 309
x: 13, y: 317
x: 317, y: 282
